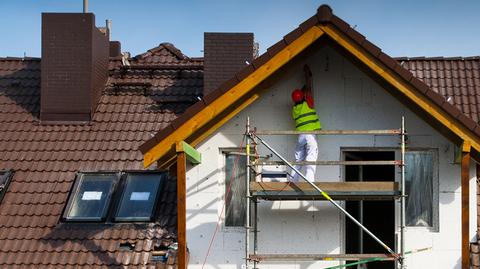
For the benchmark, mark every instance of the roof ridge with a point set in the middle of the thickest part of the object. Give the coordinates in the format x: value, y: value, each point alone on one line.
x: 9, y: 58
x: 165, y: 45
x: 174, y: 50
x: 436, y: 58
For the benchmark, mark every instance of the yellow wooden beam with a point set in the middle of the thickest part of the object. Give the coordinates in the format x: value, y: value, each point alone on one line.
x: 213, y: 128
x: 222, y: 121
x: 404, y: 87
x: 232, y: 95
x: 164, y: 165
x: 466, y: 146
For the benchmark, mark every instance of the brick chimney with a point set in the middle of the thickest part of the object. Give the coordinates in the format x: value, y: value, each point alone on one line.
x: 115, y: 49
x: 74, y: 66
x: 224, y: 55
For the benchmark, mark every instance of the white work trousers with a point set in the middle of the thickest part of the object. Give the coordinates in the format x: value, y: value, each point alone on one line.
x: 305, y: 150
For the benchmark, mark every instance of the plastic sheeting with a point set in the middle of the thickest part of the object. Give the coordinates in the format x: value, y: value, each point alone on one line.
x: 235, y: 173
x: 419, y: 188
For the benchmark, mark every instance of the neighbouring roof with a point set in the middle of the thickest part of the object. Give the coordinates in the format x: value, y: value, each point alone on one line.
x: 455, y: 78
x: 460, y: 110
x: 137, y: 101
x: 167, y: 53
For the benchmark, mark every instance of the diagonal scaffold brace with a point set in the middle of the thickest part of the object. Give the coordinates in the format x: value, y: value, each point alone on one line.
x: 398, y: 257
x: 374, y: 259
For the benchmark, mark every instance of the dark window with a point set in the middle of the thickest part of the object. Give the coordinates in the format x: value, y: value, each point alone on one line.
x: 139, y: 196
x: 110, y: 196
x: 91, y: 196
x: 421, y: 184
x: 235, y: 189
x: 4, y: 181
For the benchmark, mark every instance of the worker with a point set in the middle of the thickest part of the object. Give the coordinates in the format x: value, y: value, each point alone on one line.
x: 306, y: 119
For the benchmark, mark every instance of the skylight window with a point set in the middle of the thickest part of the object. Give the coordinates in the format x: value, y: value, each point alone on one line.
x: 130, y: 196
x: 91, y: 196
x: 4, y: 181
x: 139, y: 196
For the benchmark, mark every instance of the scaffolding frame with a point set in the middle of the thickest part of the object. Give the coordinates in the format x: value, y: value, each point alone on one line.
x: 253, y: 198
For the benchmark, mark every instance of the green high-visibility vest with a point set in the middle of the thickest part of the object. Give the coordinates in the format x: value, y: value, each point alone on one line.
x: 306, y: 118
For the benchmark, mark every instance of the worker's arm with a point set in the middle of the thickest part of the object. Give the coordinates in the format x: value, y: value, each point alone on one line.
x: 307, y: 89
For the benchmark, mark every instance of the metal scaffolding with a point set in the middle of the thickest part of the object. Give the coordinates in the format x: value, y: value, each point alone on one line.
x: 256, y: 191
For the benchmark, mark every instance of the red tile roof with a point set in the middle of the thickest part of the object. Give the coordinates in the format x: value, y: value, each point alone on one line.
x: 455, y: 78
x: 45, y: 158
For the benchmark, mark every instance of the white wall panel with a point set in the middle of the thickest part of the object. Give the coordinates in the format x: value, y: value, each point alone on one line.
x: 346, y: 99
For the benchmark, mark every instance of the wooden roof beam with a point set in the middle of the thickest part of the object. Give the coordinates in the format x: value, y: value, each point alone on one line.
x: 403, y: 86
x: 242, y: 88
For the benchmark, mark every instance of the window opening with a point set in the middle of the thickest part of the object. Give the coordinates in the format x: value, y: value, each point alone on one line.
x: 139, y: 196
x: 91, y: 197
x: 235, y: 177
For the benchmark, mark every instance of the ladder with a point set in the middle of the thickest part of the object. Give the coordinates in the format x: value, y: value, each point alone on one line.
x: 329, y: 191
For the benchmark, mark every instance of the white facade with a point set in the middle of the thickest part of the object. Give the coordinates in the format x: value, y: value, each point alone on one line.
x: 346, y: 98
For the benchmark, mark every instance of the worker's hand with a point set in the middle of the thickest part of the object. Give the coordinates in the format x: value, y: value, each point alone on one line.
x: 307, y: 70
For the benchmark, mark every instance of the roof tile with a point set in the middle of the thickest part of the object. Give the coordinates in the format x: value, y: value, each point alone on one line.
x: 371, y: 48
x: 45, y: 158
x: 309, y: 23
x: 293, y: 35
x: 388, y: 61
x: 356, y: 36
x: 467, y: 121
x: 261, y: 60
x: 277, y: 47
x: 247, y: 70
x: 324, y: 13
x: 437, y: 98
x: 450, y: 79
x: 208, y: 99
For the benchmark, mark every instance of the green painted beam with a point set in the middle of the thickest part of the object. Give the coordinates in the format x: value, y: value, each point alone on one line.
x: 374, y: 259
x: 193, y: 156
x: 355, y: 263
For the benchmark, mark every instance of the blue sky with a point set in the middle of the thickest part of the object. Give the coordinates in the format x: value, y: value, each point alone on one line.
x: 400, y: 28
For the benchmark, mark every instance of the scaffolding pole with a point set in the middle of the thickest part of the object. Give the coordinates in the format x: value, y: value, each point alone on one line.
x: 360, y: 213
x: 402, y: 198
x: 247, y: 197
x: 253, y: 136
x: 255, y: 230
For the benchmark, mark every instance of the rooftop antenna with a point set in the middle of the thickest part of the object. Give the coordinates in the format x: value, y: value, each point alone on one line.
x: 85, y: 6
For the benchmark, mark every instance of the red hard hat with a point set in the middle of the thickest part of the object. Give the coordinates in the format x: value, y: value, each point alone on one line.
x: 297, y: 95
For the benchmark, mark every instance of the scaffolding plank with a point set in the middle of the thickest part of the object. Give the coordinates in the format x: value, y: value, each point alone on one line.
x: 372, y: 190
x: 395, y: 162
x: 326, y: 186
x: 332, y: 132
x: 318, y: 257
